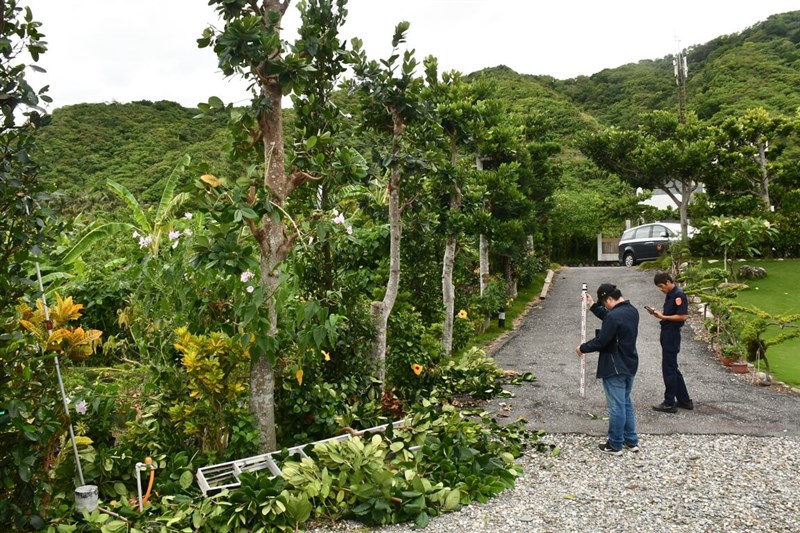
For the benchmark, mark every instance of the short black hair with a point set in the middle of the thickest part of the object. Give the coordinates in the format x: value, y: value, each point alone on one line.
x: 608, y: 290
x: 661, y: 278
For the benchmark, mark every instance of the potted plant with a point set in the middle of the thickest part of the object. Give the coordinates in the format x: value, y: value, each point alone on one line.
x: 730, y: 353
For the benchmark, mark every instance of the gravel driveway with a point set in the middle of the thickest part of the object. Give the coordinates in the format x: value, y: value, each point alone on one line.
x: 731, y: 465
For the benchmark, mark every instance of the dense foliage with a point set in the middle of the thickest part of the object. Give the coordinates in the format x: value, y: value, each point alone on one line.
x: 234, y: 262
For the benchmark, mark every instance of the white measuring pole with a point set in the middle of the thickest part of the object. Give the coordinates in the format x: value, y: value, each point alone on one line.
x: 583, y: 339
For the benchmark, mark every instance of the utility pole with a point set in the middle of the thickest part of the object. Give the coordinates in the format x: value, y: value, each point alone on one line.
x: 681, y: 72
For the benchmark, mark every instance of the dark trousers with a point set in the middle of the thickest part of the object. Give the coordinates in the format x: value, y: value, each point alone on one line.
x: 674, y: 386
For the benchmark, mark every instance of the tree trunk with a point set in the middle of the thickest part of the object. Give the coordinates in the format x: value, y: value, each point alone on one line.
x: 380, y: 311
x: 273, y: 244
x: 448, y: 294
x: 483, y: 253
x: 448, y: 290
x: 508, y: 274
x: 763, y: 182
x: 484, y: 262
x: 262, y: 402
x: 687, y: 187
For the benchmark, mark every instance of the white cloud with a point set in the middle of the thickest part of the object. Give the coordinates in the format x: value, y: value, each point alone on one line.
x: 125, y: 50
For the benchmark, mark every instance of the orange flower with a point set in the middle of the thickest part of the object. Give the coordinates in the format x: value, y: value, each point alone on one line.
x: 299, y: 376
x: 416, y: 368
x: 462, y: 313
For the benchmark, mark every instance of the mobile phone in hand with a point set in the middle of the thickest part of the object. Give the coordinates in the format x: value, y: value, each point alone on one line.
x: 649, y: 309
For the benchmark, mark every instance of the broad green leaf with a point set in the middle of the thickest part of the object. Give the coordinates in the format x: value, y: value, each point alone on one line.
x: 453, y: 500
x: 169, y: 190
x: 95, y: 235
x: 121, y: 489
x: 186, y: 479
x: 136, y: 210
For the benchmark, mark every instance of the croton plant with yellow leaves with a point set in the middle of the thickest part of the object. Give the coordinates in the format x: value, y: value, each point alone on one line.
x: 75, y: 343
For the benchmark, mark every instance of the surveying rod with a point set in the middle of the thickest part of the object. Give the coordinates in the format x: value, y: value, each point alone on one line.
x: 583, y: 339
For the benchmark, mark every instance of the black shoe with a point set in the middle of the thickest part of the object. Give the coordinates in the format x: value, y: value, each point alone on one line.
x: 631, y: 447
x: 688, y: 405
x: 606, y: 448
x: 665, y: 408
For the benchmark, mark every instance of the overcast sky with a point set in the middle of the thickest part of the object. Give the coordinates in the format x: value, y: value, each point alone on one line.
x: 126, y: 50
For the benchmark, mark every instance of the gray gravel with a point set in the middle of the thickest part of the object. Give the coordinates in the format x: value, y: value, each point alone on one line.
x: 732, y: 464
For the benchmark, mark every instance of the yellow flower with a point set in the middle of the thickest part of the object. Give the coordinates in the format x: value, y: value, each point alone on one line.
x: 326, y: 355
x: 416, y: 368
x: 462, y: 313
x: 299, y: 376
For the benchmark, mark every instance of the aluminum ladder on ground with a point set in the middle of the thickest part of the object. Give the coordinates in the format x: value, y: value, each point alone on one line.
x: 215, y: 478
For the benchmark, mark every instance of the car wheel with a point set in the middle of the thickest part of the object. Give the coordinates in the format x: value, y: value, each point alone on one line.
x: 628, y: 259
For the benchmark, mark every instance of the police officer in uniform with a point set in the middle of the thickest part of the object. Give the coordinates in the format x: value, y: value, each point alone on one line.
x: 675, y: 313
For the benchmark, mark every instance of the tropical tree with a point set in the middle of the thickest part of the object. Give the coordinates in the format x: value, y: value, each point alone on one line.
x: 24, y: 215
x: 152, y: 232
x: 749, y: 149
x: 250, y: 45
x: 457, y: 107
x: 389, y: 95
x: 663, y: 153
x: 738, y: 236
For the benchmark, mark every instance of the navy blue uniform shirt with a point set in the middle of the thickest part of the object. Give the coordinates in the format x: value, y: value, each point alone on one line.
x: 675, y: 303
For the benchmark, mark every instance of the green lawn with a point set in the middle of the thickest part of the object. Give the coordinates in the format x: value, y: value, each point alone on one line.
x: 778, y: 293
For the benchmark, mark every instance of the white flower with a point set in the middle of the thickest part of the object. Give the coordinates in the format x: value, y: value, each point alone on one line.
x: 175, y: 244
x: 187, y: 232
x: 338, y: 219
x: 246, y: 276
x: 80, y: 407
x: 135, y: 234
x: 187, y: 216
x: 174, y: 235
x: 767, y: 224
x: 250, y: 288
x: 349, y: 230
x: 145, y: 241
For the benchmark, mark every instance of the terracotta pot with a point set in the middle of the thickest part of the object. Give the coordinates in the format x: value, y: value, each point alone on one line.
x: 725, y: 360
x: 739, y: 367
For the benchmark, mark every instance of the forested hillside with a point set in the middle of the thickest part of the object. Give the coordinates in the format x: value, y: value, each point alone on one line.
x: 759, y: 66
x: 135, y: 144
x: 138, y: 143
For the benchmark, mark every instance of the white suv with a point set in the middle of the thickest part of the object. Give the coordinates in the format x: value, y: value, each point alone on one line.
x: 648, y: 241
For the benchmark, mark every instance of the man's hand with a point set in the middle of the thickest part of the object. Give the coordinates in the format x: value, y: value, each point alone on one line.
x: 578, y: 350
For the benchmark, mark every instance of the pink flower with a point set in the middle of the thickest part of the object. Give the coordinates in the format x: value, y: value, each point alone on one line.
x: 250, y: 288
x: 246, y: 276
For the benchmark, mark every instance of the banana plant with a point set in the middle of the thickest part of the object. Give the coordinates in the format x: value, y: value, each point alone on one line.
x: 149, y: 233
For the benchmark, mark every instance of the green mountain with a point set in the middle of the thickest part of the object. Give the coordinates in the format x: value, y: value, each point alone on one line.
x: 759, y: 66
x: 137, y: 144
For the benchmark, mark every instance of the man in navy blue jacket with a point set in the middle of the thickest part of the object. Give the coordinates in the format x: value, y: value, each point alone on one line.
x: 617, y: 364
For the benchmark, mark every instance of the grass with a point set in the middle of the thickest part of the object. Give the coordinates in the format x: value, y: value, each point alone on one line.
x: 778, y: 293
x: 524, y: 297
